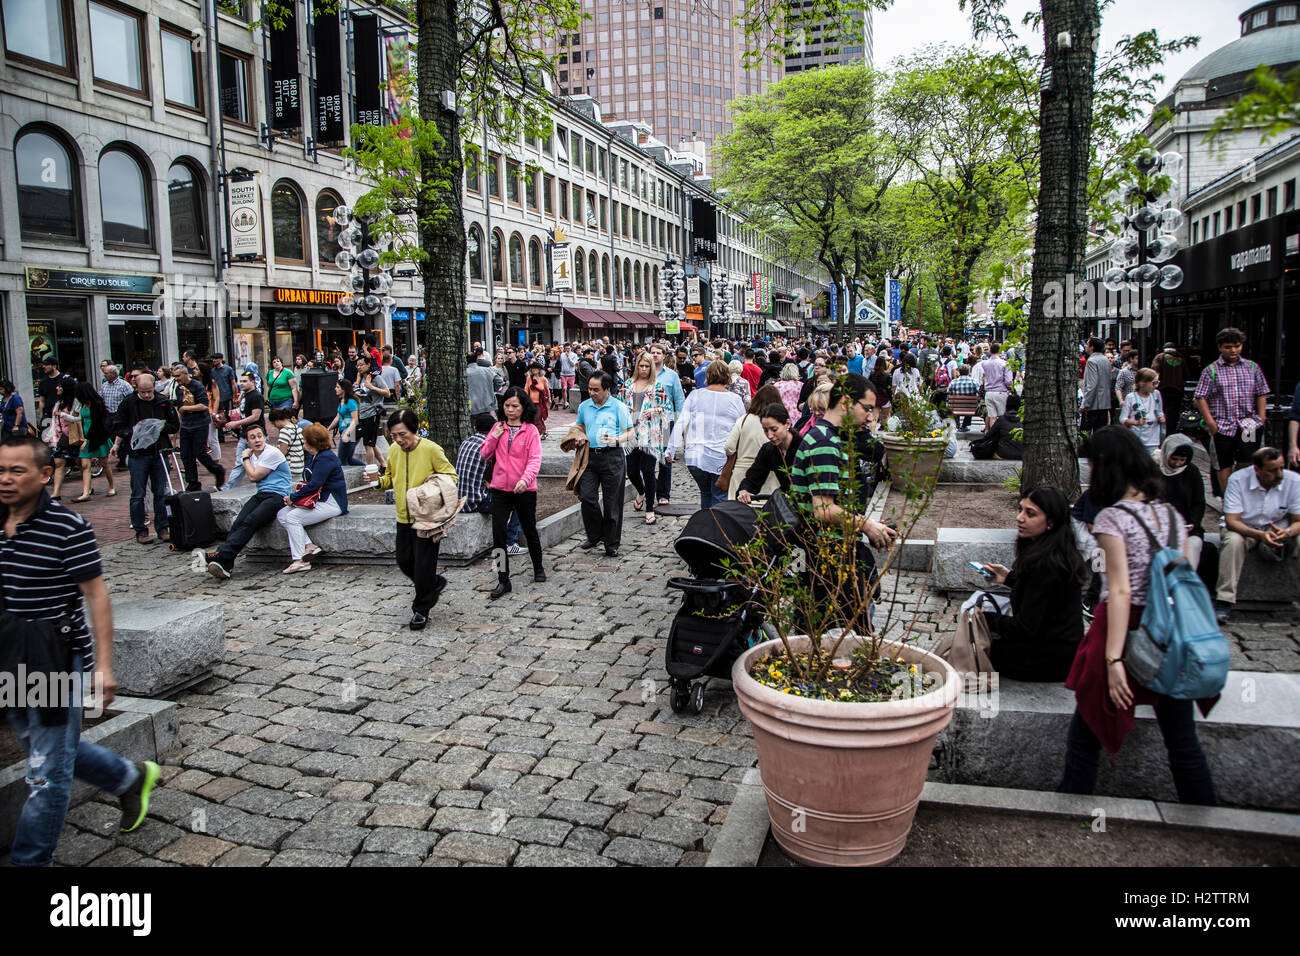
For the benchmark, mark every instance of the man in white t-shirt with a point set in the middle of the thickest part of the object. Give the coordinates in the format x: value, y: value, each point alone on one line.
x: 1261, y: 511
x: 264, y: 465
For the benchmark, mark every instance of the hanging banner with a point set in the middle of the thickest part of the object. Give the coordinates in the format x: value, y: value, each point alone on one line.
x: 561, y: 268
x: 895, y: 298
x: 835, y: 304
x: 365, y: 41
x: 755, y: 285
x: 329, y: 75
x: 286, y: 107
x: 704, y: 230
x: 397, y: 90
x: 693, y: 290
x: 245, y: 217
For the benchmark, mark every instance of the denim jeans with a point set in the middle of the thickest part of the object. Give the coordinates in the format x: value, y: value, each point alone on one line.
x: 346, y: 450
x: 147, y: 470
x: 709, y: 493
x: 1186, y: 759
x: 237, y: 469
x: 54, y: 756
x: 258, y: 512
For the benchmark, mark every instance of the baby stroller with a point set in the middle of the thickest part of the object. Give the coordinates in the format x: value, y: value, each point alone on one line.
x: 718, y: 618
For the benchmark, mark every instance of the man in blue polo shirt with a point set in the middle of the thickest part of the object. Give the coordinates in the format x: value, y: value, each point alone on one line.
x: 604, y: 418
x: 267, y: 466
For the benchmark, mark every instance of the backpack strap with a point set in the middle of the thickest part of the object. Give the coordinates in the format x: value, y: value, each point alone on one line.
x: 1155, y: 543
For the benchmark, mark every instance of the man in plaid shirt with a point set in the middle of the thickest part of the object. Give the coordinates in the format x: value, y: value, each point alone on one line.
x: 471, y: 469
x: 112, y: 390
x: 1231, y: 397
x: 963, y: 384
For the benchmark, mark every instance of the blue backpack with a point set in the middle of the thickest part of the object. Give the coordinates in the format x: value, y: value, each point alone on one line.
x: 1178, y: 649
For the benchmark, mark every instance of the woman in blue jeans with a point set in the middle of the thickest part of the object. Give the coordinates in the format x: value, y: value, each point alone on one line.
x: 706, y: 420
x: 1126, y: 486
x: 346, y: 421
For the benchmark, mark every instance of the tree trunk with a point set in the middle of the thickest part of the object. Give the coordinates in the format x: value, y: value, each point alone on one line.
x: 442, y: 232
x: 1051, y: 366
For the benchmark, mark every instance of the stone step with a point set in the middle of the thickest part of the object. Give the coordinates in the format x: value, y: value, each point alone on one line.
x: 1012, y: 734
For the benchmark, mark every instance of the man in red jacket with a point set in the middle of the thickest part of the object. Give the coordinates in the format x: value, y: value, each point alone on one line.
x: 750, y: 372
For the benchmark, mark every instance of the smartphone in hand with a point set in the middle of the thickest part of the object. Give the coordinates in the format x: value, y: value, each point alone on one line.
x: 982, y: 569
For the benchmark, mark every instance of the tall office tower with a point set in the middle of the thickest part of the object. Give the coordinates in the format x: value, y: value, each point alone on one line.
x: 674, y: 64
x: 818, y: 46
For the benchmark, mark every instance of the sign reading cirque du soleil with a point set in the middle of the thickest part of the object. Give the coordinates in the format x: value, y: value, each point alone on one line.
x: 245, y: 219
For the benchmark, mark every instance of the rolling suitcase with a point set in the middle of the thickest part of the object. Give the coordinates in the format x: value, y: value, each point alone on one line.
x: 190, y: 521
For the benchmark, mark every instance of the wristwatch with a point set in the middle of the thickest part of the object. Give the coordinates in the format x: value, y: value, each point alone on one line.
x: 1114, y: 660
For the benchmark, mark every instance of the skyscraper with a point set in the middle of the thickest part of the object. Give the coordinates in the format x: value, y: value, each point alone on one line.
x: 819, y: 46
x: 674, y: 64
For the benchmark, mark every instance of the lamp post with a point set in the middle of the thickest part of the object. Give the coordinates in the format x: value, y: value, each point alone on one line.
x: 672, y: 292
x: 367, y: 284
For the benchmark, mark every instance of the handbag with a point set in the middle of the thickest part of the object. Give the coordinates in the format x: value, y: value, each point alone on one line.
x: 310, y: 500
x: 968, y: 648
x: 75, y: 434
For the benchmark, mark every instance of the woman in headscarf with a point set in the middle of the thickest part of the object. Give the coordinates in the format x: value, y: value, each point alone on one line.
x: 1185, y: 490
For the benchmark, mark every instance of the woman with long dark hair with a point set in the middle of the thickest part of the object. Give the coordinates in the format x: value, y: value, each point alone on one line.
x: 1038, y: 638
x: 98, y: 443
x: 747, y: 437
x: 772, y: 464
x: 346, y: 421
x: 651, y: 412
x: 515, y: 447
x: 1127, y: 487
x: 65, y: 412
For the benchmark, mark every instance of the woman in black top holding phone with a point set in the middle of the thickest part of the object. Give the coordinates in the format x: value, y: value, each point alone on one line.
x: 772, y: 464
x: 1038, y: 639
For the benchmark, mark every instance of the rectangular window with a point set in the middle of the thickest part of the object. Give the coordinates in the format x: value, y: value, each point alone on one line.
x: 575, y: 149
x: 1255, y: 208
x: 564, y: 199
x: 180, y: 76
x: 473, y: 175
x: 604, y: 214
x: 1227, y: 218
x: 37, y: 30
x: 1241, y: 213
x: 1217, y: 224
x: 1288, y: 195
x: 1285, y: 14
x: 548, y: 189
x: 604, y: 163
x: 590, y: 156
x: 626, y: 225
x: 636, y: 226
x: 577, y: 203
x: 232, y: 74
x: 1271, y: 204
x: 494, y: 175
x: 635, y: 174
x: 512, y: 181
x: 116, y: 50
x: 562, y: 143
x: 592, y: 221
x: 530, y: 187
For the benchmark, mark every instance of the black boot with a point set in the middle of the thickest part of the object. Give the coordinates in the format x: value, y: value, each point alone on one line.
x: 539, y: 576
x: 503, y: 586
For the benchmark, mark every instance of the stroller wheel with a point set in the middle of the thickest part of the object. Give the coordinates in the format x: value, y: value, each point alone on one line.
x: 697, y: 697
x: 680, y: 697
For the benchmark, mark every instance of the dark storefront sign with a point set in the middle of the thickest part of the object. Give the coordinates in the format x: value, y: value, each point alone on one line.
x: 704, y: 230
x: 81, y: 280
x: 365, y: 40
x: 1251, y: 254
x: 329, y: 75
x: 131, y: 308
x: 282, y: 296
x: 286, y: 102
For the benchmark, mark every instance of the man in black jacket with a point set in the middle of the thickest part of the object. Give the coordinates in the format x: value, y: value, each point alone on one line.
x: 146, y: 462
x: 586, y: 369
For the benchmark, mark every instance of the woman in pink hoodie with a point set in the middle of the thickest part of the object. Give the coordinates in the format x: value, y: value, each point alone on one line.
x: 514, y: 447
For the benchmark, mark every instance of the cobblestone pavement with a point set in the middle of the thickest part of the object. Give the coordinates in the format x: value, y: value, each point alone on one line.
x: 533, y: 730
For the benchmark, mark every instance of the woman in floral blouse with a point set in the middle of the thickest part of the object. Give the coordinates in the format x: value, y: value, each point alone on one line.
x: 651, y: 410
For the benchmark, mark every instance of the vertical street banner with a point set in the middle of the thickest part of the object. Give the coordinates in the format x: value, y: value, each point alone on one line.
x: 767, y: 294
x: 835, y: 303
x: 365, y: 41
x: 704, y: 230
x: 397, y: 61
x: 693, y: 290
x: 895, y: 301
x: 329, y: 75
x: 755, y: 286
x: 561, y: 264
x: 245, y: 234
x: 286, y: 102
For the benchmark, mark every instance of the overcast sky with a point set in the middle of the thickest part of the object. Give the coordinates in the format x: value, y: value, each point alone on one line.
x: 909, y: 24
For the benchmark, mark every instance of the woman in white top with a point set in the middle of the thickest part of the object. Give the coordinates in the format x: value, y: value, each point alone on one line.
x: 747, y: 437
x: 906, y: 376
x: 706, y: 420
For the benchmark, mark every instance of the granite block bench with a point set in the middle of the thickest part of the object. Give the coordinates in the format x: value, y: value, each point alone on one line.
x: 1013, y: 735
x: 161, y: 647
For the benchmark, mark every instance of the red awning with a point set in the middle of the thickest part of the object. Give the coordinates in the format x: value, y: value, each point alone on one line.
x: 590, y: 318
x: 646, y: 319
x: 687, y: 327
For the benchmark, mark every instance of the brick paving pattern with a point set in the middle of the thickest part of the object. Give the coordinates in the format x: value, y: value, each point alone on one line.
x: 534, y: 730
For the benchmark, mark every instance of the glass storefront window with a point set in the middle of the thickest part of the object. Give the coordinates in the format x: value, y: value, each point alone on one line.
x: 57, y: 325
x: 135, y: 340
x: 195, y: 334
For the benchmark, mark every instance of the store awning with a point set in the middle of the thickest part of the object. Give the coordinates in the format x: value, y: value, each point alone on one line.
x: 639, y: 319
x: 817, y: 327
x: 593, y: 318
x: 774, y: 326
x: 687, y: 327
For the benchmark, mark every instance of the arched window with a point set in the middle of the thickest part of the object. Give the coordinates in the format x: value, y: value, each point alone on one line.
x: 654, y: 287
x: 617, y: 287
x: 124, y: 199
x: 534, y: 263
x: 636, y: 281
x: 627, y: 280
x: 185, y: 206
x: 49, y: 204
x: 595, y: 271
x: 604, y: 275
x: 327, y: 227
x: 498, y: 275
x: 579, y: 279
x: 516, y: 260
x: 287, y: 226
x: 474, y: 246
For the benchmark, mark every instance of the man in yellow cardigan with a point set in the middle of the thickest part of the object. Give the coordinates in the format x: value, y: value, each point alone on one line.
x: 412, y: 459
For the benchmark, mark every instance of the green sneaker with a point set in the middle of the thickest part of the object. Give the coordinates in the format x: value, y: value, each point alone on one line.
x: 135, y: 801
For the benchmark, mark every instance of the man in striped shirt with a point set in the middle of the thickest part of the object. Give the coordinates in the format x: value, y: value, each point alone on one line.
x: 48, y: 562
x: 112, y: 390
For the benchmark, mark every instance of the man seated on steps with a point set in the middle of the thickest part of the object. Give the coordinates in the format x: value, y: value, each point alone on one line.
x: 265, y: 465
x: 1261, y: 511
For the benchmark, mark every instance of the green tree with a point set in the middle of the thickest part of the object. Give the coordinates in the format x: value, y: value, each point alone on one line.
x: 1272, y: 104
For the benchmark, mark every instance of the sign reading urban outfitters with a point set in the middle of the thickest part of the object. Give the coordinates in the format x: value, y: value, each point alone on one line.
x: 81, y: 280
x: 305, y: 297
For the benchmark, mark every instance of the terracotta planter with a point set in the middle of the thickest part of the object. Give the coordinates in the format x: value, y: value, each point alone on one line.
x: 843, y: 779
x: 912, y: 460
